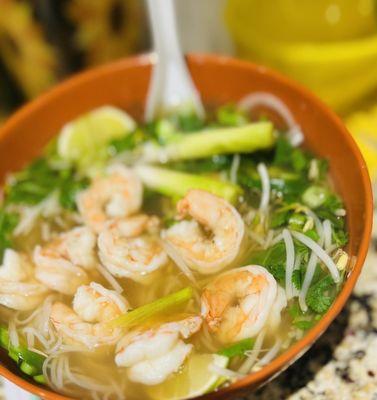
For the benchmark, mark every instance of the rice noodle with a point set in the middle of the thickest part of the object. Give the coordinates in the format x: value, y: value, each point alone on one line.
x: 32, y: 331
x: 29, y: 215
x: 13, y: 335
x: 322, y: 255
x: 234, y: 168
x: 271, y: 354
x: 62, y: 377
x: 313, y: 260
x: 266, y: 187
x: 290, y: 260
x: 109, y: 278
x: 271, y: 101
x: 105, y: 294
x: 178, y: 260
x: 317, y: 223
x: 252, y: 357
x: 327, y: 233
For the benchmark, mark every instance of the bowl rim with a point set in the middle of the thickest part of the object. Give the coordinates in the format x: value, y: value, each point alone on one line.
x: 300, y: 347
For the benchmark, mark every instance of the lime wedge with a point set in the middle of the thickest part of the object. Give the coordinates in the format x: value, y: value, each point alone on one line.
x: 195, y: 379
x: 84, y: 140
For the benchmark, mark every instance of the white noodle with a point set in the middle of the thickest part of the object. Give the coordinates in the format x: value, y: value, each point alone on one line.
x: 325, y: 258
x: 25, y: 321
x: 13, y: 335
x: 271, y: 101
x: 38, y: 335
x: 105, y: 293
x: 109, y: 278
x: 252, y: 357
x: 271, y: 354
x: 308, y: 279
x: 265, y: 180
x: 327, y: 233
x: 38, y: 351
x: 57, y: 346
x: 28, y: 217
x: 317, y: 222
x: 178, y: 260
x: 290, y: 260
x: 29, y: 340
x: 234, y: 168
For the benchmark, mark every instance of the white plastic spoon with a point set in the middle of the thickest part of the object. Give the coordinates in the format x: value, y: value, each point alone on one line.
x: 171, y: 86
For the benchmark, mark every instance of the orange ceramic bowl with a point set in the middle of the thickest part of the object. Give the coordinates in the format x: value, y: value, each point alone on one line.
x: 219, y: 80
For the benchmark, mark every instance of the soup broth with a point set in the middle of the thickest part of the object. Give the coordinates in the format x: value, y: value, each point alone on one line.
x: 165, y: 260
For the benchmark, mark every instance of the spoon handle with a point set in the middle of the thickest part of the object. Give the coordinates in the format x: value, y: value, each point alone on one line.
x: 171, y: 85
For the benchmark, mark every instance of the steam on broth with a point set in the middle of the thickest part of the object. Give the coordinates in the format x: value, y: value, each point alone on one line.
x: 165, y: 260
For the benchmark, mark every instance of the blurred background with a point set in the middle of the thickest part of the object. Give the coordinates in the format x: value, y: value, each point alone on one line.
x: 328, y: 45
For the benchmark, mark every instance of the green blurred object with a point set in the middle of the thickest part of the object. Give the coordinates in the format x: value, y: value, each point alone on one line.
x: 330, y: 46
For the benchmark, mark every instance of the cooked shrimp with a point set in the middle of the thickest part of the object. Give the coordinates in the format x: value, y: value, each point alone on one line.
x: 93, y: 307
x: 239, y: 303
x: 18, y: 289
x: 119, y: 194
x: 153, y: 355
x: 212, y: 240
x: 130, y: 247
x: 61, y: 264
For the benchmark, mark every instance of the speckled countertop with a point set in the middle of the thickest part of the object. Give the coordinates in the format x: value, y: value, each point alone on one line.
x: 342, y: 365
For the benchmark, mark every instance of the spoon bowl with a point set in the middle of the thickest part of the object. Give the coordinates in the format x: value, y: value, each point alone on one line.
x: 219, y: 80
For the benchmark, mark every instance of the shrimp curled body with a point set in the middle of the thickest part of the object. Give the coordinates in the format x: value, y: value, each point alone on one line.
x: 86, y: 323
x: 239, y: 303
x: 18, y: 289
x: 130, y: 247
x: 117, y: 195
x: 62, y: 264
x: 153, y: 355
x: 212, y: 240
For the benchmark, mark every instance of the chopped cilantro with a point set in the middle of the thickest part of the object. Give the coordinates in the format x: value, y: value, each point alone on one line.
x: 321, y: 295
x: 36, y: 182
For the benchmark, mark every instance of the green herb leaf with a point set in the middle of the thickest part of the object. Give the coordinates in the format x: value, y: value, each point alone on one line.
x: 229, y: 115
x: 40, y: 179
x: 321, y: 295
x: 273, y: 259
x: 28, y: 361
x: 297, y: 279
x: 237, y: 349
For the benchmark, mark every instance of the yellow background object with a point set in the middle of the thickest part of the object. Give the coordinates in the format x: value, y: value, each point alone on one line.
x: 363, y: 126
x: 330, y: 46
